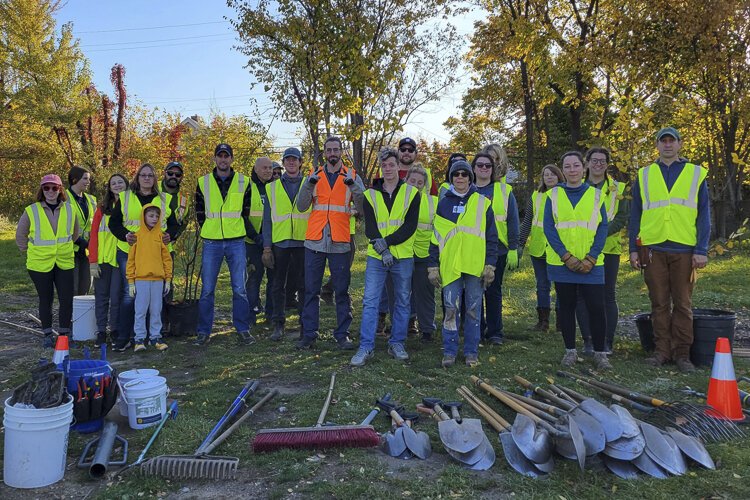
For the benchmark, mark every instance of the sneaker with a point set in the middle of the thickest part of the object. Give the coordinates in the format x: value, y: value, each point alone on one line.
x: 344, y: 344
x: 305, y: 343
x: 101, y: 338
x: 278, y: 332
x: 245, y: 338
x: 685, y: 365
x: 426, y: 337
x: 570, y: 358
x: 495, y: 340
x: 413, y: 328
x: 601, y: 362
x: 361, y: 357
x: 121, y: 345
x: 656, y: 360
x: 588, y: 348
x: 159, y: 345
x: 472, y: 360
x: 201, y: 339
x: 49, y: 341
x: 139, y: 346
x: 448, y: 361
x: 397, y: 351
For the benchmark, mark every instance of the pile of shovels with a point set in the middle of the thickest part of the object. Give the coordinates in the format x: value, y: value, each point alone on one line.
x: 402, y: 441
x: 578, y: 428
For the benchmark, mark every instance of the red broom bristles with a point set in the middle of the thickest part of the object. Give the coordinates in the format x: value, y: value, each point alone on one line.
x: 340, y: 436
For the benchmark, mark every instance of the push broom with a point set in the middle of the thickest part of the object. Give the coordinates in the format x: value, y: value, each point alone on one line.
x: 319, y: 436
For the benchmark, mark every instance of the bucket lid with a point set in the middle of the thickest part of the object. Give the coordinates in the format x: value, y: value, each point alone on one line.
x: 138, y: 373
x: 145, y: 384
x: 84, y: 298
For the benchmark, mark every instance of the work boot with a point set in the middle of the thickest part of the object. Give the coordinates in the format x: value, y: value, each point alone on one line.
x: 426, y: 337
x: 122, y: 345
x: 413, y: 328
x: 570, y: 358
x: 657, y: 360
x: 278, y: 332
x: 245, y: 338
x: 543, y: 313
x: 472, y: 360
x: 496, y: 340
x: 344, y: 344
x: 398, y: 352
x: 538, y: 325
x: 601, y: 362
x: 50, y: 339
x: 685, y: 365
x: 201, y: 340
x: 101, y: 338
x: 448, y: 361
x: 305, y: 343
x: 588, y: 347
x: 361, y: 357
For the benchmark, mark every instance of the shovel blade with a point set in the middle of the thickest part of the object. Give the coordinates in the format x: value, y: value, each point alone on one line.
x: 516, y: 459
x: 626, y: 448
x: 659, y: 449
x: 487, y: 459
x: 458, y: 439
x: 693, y: 448
x: 647, y: 465
x: 629, y: 425
x: 535, y: 445
x: 393, y: 443
x: 591, y: 429
x: 417, y: 442
x: 621, y: 468
x: 680, y: 465
x: 609, y: 420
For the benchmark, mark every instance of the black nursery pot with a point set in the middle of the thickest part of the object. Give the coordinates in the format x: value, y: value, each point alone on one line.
x: 183, y: 318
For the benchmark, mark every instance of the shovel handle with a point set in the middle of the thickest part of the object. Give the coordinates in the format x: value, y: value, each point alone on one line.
x: 375, y: 410
x: 545, y: 394
x: 510, y: 403
x: 454, y: 407
x: 617, y: 389
x: 562, y: 393
x: 327, y: 403
x: 396, y: 417
x: 496, y: 421
x: 570, y: 392
x: 529, y: 407
x: 428, y: 411
x: 552, y: 410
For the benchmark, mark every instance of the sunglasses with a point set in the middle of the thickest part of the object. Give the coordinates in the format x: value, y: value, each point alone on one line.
x: 461, y: 173
x: 407, y: 150
x: 483, y: 165
x: 176, y: 175
x: 52, y: 188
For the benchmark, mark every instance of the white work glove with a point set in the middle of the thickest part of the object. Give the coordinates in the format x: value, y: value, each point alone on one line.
x: 96, y: 272
x: 488, y: 276
x: 167, y: 287
x: 131, y: 289
x: 433, y: 275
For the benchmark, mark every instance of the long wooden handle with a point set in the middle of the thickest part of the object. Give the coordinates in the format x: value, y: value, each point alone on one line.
x: 552, y: 410
x: 327, y: 403
x: 622, y: 391
x: 529, y: 407
x: 496, y: 421
x: 510, y: 403
x: 545, y: 394
x: 441, y: 413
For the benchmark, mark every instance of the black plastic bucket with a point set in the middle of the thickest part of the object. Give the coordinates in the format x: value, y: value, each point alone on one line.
x: 708, y: 325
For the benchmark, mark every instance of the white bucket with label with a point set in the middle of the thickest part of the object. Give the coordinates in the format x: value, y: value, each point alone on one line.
x: 128, y: 376
x: 84, y: 317
x: 147, y: 401
x: 36, y: 444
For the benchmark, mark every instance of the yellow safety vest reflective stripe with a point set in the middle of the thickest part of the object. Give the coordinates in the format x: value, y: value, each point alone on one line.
x: 537, y: 240
x: 577, y: 225
x: 287, y: 222
x: 223, y: 215
x: 389, y: 222
x: 106, y: 253
x: 613, y: 192
x: 131, y: 213
x: 48, y: 248
x: 500, y: 196
x: 670, y: 215
x: 462, y: 244
x: 427, y: 206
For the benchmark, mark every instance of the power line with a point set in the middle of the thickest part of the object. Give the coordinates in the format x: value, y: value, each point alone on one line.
x: 155, y: 41
x: 151, y: 27
x: 157, y: 46
x: 194, y: 99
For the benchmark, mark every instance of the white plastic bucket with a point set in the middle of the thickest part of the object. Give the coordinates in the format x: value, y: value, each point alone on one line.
x: 36, y: 444
x: 84, y: 317
x: 147, y: 401
x: 128, y: 376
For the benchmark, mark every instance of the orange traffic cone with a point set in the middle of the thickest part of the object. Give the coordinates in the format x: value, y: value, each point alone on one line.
x: 723, y: 393
x: 61, y: 350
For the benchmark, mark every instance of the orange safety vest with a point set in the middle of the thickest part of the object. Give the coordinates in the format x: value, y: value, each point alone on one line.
x: 330, y: 206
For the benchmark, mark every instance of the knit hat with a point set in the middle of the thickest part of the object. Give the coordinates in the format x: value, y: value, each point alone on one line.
x: 461, y: 165
x: 51, y: 179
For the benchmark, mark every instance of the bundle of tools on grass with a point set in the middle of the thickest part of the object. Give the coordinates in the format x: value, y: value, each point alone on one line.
x: 701, y: 421
x: 578, y: 428
x: 463, y: 438
x: 402, y: 441
x: 319, y: 436
x: 45, y: 388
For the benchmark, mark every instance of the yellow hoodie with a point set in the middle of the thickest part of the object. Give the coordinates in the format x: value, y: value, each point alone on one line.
x: 149, y: 259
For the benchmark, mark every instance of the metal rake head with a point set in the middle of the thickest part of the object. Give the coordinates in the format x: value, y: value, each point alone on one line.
x: 191, y: 467
x: 695, y: 420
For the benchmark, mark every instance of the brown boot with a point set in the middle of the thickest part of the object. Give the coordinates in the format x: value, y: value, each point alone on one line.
x: 543, y: 319
x: 685, y: 365
x: 657, y: 360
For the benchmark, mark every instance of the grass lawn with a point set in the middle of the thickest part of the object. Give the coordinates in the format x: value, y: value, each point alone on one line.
x: 205, y: 380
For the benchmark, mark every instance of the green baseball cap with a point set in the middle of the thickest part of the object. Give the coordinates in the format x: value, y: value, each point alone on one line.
x: 668, y: 131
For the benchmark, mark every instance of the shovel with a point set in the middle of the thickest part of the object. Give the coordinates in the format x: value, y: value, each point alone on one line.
x: 392, y: 443
x: 421, y: 441
x: 692, y: 448
x: 473, y: 425
x: 621, y: 468
x: 609, y: 420
x: 451, y: 433
x: 660, y: 450
x: 414, y: 443
x: 469, y: 459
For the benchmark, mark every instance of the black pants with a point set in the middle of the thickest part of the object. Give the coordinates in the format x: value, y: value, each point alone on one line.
x: 45, y: 284
x: 287, y: 263
x: 81, y: 274
x: 611, y: 268
x: 593, y: 296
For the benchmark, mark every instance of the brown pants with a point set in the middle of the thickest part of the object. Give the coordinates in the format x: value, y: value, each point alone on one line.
x: 670, y: 290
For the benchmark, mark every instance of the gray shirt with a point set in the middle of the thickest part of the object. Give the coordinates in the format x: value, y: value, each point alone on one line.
x: 291, y: 187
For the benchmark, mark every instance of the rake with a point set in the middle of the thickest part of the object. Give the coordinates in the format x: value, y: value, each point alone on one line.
x: 317, y: 437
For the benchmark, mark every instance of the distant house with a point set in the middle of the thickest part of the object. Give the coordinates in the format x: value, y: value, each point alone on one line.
x: 191, y: 123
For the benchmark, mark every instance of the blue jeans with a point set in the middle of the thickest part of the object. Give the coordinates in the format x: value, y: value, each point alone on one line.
x: 543, y: 286
x: 339, y: 266
x: 127, y: 303
x: 471, y: 286
x: 375, y: 277
x: 214, y: 252
x: 493, y: 297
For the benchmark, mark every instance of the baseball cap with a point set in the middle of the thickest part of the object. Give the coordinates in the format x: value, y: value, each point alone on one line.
x: 407, y: 140
x: 176, y: 164
x: 226, y: 148
x: 292, y: 152
x: 668, y: 131
x: 51, y: 179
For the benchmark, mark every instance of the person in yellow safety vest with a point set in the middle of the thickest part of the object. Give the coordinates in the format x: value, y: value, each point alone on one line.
x: 446, y: 184
x: 505, y: 210
x: 45, y: 234
x: 284, y: 229
x: 618, y: 212
x: 329, y: 190
x: 222, y: 208
x: 464, y: 231
x: 124, y: 221
x: 391, y: 211
x: 670, y: 214
x: 103, y: 263
x: 84, y: 204
x: 422, y: 291
x: 259, y: 178
x: 174, y: 173
x: 575, y: 225
x: 532, y: 231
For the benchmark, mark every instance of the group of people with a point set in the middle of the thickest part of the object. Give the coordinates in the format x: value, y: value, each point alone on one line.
x: 459, y: 236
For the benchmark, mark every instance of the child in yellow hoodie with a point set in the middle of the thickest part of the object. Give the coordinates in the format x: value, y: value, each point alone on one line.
x: 149, y: 274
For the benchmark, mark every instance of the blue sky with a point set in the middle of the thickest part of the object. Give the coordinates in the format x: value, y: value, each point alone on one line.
x: 178, y: 56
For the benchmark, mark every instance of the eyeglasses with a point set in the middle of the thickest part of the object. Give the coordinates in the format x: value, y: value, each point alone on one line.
x: 333, y: 150
x: 146, y: 176
x: 596, y: 161
x: 461, y: 173
x: 407, y: 150
x: 174, y: 174
x: 483, y: 165
x: 52, y: 188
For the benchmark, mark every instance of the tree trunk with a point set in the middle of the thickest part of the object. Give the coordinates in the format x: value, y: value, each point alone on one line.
x: 528, y: 111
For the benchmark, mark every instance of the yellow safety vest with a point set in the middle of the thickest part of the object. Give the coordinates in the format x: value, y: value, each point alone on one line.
x: 389, y: 222
x: 256, y: 208
x: 670, y: 215
x: 427, y: 206
x: 223, y: 215
x: 537, y: 240
x: 179, y: 214
x: 47, y: 248
x: 106, y: 253
x: 613, y: 192
x: 84, y: 224
x: 462, y: 243
x: 500, y: 196
x: 576, y: 226
x: 131, y: 213
x: 444, y: 188
x: 287, y: 222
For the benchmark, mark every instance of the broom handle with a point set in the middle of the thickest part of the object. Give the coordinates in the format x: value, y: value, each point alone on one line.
x: 324, y: 411
x: 249, y: 413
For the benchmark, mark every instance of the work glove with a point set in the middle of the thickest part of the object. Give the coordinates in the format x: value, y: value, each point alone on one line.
x: 251, y: 268
x: 379, y: 245
x: 433, y: 275
x: 512, y: 262
x: 96, y: 272
x: 587, y: 264
x: 571, y: 262
x: 267, y: 258
x: 348, y: 179
x: 167, y: 287
x: 387, y: 258
x: 488, y: 276
x: 314, y: 178
x: 131, y: 290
